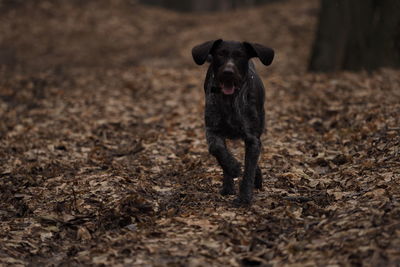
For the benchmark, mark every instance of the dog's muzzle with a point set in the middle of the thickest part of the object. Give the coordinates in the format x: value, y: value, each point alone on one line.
x: 229, y: 79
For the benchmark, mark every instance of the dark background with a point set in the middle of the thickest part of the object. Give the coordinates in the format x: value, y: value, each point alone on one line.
x: 349, y: 35
x: 103, y: 158
x: 206, y: 5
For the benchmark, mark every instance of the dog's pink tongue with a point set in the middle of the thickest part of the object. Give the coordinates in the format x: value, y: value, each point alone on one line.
x: 228, y: 90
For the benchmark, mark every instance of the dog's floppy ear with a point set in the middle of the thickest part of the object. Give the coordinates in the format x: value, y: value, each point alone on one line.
x: 200, y: 52
x: 265, y: 54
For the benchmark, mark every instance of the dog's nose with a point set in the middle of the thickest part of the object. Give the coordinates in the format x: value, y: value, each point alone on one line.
x: 228, y: 71
x: 229, y: 68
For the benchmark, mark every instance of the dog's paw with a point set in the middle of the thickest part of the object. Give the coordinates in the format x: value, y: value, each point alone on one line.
x: 245, y: 193
x: 227, y: 191
x: 241, y: 202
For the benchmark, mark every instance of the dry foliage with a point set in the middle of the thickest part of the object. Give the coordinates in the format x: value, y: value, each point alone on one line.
x: 103, y: 158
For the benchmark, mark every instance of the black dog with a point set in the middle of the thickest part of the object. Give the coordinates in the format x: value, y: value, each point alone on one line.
x: 234, y: 108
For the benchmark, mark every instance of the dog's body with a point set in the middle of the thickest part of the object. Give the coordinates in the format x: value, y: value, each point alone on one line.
x: 234, y: 108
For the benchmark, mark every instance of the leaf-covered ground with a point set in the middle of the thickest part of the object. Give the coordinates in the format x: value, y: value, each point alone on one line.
x: 103, y: 158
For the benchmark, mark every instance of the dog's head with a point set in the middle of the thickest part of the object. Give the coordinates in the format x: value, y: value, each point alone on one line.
x: 230, y: 60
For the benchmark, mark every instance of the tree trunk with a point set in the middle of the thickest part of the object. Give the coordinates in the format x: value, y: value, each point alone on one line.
x: 357, y: 34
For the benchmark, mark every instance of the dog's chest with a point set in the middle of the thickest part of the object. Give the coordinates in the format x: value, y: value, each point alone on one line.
x: 224, y: 116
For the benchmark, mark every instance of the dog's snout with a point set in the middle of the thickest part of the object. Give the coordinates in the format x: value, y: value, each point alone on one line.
x: 229, y: 68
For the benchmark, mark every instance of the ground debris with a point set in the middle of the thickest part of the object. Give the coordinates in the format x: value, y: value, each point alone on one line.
x: 103, y: 158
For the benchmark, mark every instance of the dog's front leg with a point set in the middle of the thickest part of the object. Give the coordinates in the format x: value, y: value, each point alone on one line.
x: 230, y: 166
x: 253, y: 148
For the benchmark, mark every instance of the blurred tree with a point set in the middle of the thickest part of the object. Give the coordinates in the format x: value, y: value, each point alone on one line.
x: 180, y: 5
x: 204, y: 5
x: 357, y: 34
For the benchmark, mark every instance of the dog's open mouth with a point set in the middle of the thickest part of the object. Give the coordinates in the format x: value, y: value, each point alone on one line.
x: 228, y: 87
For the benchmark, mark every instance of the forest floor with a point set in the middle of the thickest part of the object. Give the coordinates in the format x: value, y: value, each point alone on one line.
x: 103, y: 158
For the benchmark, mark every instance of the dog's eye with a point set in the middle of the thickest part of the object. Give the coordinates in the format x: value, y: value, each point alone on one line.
x: 222, y: 53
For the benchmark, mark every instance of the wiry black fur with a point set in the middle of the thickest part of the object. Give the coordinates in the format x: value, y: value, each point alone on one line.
x: 235, y: 116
